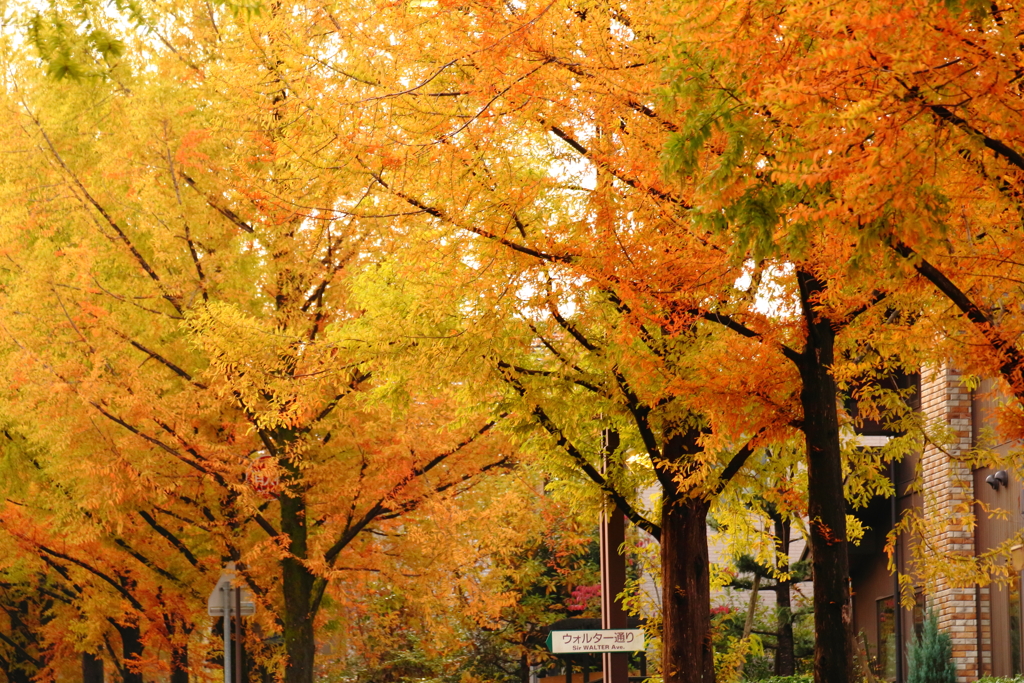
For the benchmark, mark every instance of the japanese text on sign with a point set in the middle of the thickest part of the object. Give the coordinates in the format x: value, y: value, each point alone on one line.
x: 608, y: 640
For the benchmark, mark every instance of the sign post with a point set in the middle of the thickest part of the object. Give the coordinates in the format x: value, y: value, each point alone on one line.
x: 225, y: 591
x: 239, y: 637
x: 615, y: 663
x: 219, y: 604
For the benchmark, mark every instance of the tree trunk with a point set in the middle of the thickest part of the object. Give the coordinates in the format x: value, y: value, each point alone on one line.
x: 17, y: 674
x: 256, y: 671
x: 785, y: 659
x: 299, y: 643
x: 131, y: 652
x: 687, y: 655
x: 784, y: 656
x: 826, y: 509
x: 178, y: 633
x: 179, y: 664
x: 92, y: 668
x: 22, y: 668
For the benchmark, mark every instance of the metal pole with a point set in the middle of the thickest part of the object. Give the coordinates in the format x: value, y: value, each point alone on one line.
x: 227, y: 634
x: 897, y: 608
x: 239, y: 666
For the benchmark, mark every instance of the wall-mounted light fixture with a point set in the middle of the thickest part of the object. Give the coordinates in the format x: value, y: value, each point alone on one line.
x: 1000, y: 478
x: 1017, y: 558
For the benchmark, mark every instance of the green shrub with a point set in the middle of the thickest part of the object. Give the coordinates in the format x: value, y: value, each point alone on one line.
x: 931, y: 655
x: 1019, y: 678
x: 787, y: 679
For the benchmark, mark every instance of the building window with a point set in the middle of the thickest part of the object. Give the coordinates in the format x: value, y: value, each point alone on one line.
x: 886, y: 611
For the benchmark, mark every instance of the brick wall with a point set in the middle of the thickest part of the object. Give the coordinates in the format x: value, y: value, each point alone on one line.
x: 948, y: 482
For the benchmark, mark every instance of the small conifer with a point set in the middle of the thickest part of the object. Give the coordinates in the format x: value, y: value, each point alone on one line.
x: 931, y: 655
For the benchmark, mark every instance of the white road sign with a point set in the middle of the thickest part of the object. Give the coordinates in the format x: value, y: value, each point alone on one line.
x: 215, y: 603
x: 608, y: 640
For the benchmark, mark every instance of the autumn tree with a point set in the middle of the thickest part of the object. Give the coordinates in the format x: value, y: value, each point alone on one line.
x: 176, y: 309
x: 584, y: 352
x: 917, y: 103
x: 600, y: 216
x: 540, y: 580
x: 897, y: 129
x: 520, y: 148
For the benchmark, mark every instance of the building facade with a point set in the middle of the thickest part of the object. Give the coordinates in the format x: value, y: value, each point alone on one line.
x: 966, y: 513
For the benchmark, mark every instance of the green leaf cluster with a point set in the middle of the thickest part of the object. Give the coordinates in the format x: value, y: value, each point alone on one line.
x: 79, y: 41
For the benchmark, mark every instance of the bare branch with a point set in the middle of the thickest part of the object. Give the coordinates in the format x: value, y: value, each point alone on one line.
x: 563, y: 442
x: 171, y: 538
x: 616, y: 173
x: 103, y: 212
x: 212, y: 202
x: 441, y: 215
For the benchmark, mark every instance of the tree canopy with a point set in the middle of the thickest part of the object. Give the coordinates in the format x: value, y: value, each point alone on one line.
x: 365, y: 297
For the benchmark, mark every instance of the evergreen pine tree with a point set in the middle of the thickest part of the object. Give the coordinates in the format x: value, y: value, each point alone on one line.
x: 931, y: 655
